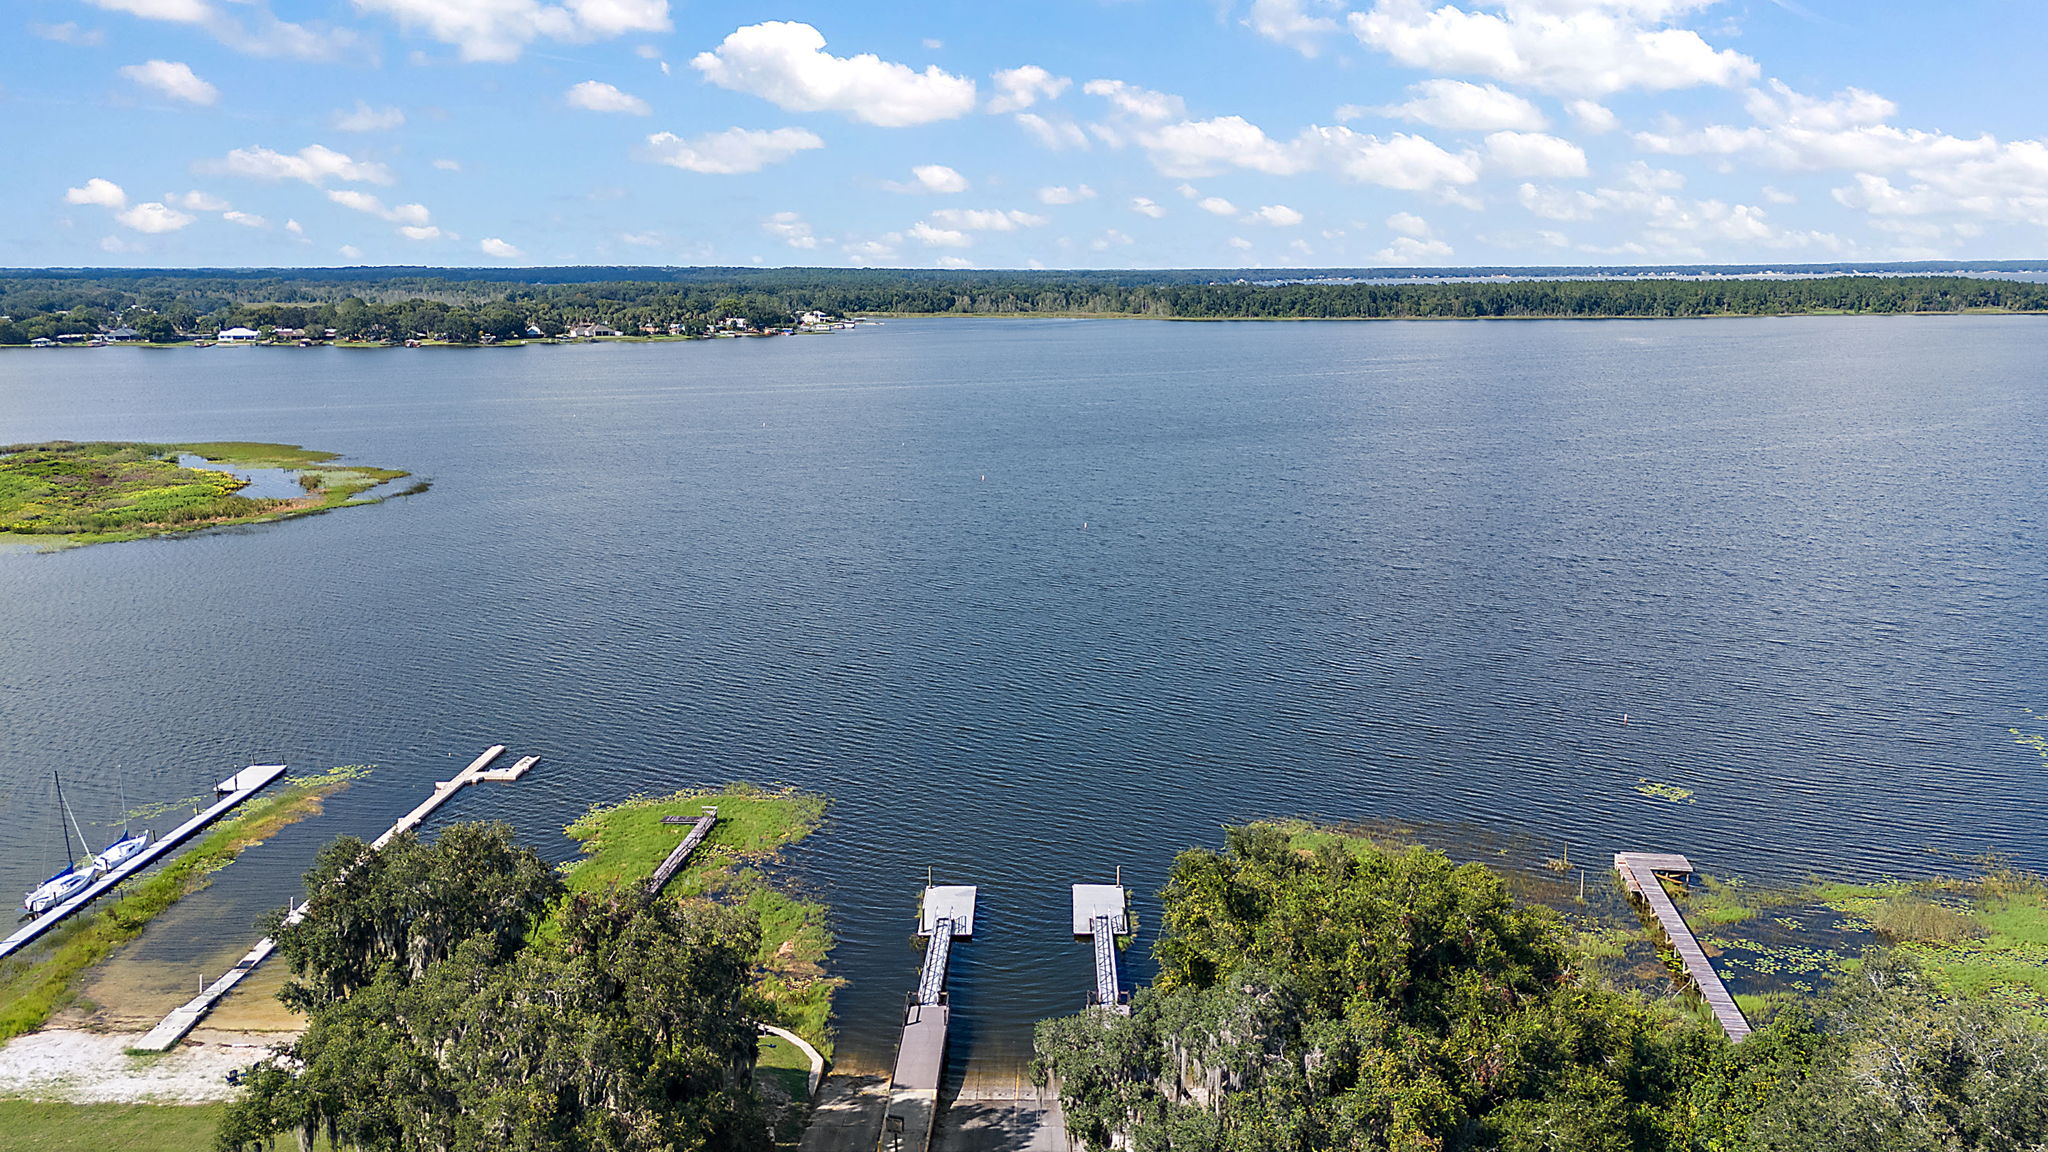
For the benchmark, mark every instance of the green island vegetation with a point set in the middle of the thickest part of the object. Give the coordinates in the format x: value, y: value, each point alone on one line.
x: 386, y: 306
x: 63, y: 493
x: 462, y: 995
x: 43, y: 978
x: 1323, y: 990
x: 624, y: 843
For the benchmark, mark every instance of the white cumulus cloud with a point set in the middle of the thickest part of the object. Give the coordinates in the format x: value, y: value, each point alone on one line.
x: 1409, y: 224
x: 1217, y: 206
x: 1274, y: 215
x: 102, y: 192
x: 598, y: 96
x: 1535, y: 154
x: 988, y: 219
x: 153, y: 217
x: 1020, y: 88
x: 1570, y: 47
x: 785, y: 63
x: 733, y: 151
x: 177, y: 11
x: 501, y: 29
x: 791, y: 229
x: 1411, y: 252
x: 172, y: 79
x: 935, y: 237
x: 1295, y: 23
x: 1146, y: 206
x: 1409, y: 163
x: 1061, y: 194
x: 1057, y: 135
x: 492, y: 246
x: 1135, y: 102
x: 197, y: 201
x: 245, y: 219
x: 1206, y: 147
x: 410, y: 215
x: 314, y: 164
x: 363, y: 118
x: 1463, y: 107
x: 933, y: 178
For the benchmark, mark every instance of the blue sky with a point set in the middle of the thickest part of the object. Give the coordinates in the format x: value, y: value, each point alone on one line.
x: 1062, y: 133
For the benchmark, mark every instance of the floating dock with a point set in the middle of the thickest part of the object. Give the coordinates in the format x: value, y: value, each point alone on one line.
x: 447, y: 788
x: 187, y: 1016
x: 1101, y: 914
x: 230, y: 792
x: 947, y: 914
x: 681, y: 855
x: 1639, y: 875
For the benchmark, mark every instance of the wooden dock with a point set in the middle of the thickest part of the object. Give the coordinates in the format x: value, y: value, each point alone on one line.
x: 187, y: 1016
x: 947, y: 914
x: 230, y: 792
x: 681, y: 855
x: 1102, y: 913
x: 1639, y: 875
x: 442, y: 791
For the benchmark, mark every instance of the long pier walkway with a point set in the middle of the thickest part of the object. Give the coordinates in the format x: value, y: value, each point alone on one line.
x: 187, y: 1016
x: 948, y: 914
x: 1101, y: 914
x: 681, y: 855
x: 230, y: 792
x: 1639, y: 875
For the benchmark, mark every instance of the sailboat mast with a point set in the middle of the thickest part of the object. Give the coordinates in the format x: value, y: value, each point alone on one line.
x: 74, y: 819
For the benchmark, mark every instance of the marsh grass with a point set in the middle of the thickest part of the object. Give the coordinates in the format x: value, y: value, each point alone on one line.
x: 39, y: 981
x: 65, y: 493
x: 624, y: 843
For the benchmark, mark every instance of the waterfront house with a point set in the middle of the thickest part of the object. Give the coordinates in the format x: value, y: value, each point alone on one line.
x: 122, y: 335
x: 237, y: 336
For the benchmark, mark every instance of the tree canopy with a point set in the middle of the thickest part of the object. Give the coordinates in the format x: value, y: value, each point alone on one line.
x: 1329, y: 994
x: 458, y: 1004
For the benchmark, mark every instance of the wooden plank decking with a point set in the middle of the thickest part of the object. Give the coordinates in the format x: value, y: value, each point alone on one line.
x: 1639, y: 875
x: 231, y: 791
x: 681, y: 855
x: 186, y: 1017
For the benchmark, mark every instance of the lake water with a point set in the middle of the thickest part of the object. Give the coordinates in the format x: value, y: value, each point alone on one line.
x: 1037, y: 599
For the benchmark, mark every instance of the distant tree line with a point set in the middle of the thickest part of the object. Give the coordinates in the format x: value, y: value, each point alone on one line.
x: 456, y: 306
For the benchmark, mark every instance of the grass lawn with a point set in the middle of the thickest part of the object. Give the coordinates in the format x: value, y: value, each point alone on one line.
x: 623, y: 844
x: 62, y: 493
x: 29, y: 1126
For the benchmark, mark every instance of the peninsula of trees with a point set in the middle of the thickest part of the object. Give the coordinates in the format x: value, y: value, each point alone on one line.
x: 394, y: 305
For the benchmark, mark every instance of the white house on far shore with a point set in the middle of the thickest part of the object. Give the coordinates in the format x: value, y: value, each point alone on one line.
x: 237, y: 336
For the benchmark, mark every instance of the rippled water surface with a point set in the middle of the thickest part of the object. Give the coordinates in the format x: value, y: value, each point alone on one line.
x: 1035, y: 599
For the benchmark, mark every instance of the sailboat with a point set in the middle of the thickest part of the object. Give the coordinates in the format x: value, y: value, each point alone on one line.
x: 127, y: 847
x: 72, y: 879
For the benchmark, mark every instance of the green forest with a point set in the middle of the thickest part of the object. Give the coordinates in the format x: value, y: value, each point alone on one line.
x: 454, y: 306
x: 1320, y: 992
x: 460, y: 998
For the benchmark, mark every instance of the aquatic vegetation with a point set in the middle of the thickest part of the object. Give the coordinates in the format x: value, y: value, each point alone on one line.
x: 62, y: 493
x: 1670, y: 792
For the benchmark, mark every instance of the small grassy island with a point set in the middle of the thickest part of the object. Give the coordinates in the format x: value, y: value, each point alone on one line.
x: 62, y: 493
